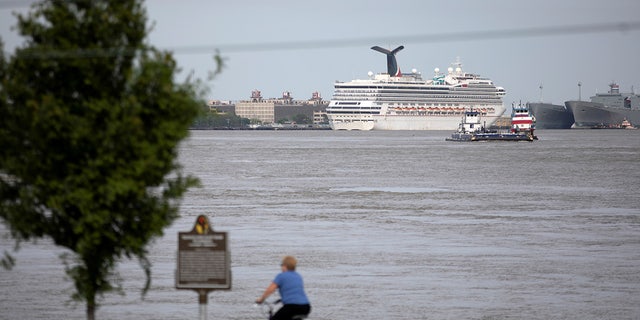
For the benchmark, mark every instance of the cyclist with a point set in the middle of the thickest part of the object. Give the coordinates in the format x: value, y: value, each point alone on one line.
x: 291, y: 287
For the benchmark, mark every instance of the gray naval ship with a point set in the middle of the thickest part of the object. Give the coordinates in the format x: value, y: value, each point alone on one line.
x: 551, y: 116
x: 606, y: 110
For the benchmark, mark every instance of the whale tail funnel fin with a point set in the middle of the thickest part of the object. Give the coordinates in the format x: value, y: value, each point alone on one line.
x: 392, y: 64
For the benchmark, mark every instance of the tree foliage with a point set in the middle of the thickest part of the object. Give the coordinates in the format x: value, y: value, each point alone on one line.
x: 213, y: 120
x: 90, y: 123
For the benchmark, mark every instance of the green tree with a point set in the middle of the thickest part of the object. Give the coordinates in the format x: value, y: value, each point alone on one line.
x: 301, y: 118
x: 214, y: 120
x: 90, y: 123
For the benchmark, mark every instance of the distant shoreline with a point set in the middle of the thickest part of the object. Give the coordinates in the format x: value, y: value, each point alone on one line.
x: 265, y: 128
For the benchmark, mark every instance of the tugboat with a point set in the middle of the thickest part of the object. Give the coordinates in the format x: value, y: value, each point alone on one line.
x: 469, y: 127
x: 626, y: 124
x: 522, y: 121
x: 472, y: 129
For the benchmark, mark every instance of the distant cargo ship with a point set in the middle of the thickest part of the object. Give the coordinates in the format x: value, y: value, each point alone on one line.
x: 606, y: 110
x: 397, y: 101
x: 551, y: 116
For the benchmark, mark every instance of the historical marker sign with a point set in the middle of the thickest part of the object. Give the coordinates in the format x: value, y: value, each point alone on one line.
x: 203, y: 259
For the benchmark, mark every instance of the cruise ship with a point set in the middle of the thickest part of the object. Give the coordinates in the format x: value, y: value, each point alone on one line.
x: 606, y: 110
x: 551, y: 116
x: 397, y: 101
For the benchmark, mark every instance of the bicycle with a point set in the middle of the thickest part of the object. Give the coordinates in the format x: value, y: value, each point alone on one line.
x: 268, y: 309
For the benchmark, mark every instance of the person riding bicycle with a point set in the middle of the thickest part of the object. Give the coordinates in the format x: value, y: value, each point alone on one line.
x: 291, y: 287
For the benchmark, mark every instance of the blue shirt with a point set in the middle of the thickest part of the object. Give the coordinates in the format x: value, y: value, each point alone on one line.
x: 291, y: 288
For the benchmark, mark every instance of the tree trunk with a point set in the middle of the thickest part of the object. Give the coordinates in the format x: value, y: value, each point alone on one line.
x: 91, y: 311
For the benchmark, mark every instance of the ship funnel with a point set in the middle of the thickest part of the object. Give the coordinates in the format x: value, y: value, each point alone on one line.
x: 392, y: 64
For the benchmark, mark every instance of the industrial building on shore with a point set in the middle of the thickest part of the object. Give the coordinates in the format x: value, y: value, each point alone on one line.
x: 261, y: 111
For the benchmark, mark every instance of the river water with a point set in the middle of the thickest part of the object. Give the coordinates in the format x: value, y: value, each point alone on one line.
x: 389, y: 225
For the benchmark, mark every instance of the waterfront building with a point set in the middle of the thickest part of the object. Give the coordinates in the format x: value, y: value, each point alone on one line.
x: 272, y: 110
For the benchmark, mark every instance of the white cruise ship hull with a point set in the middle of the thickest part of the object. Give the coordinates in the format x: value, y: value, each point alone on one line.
x: 422, y: 123
x: 363, y: 125
x: 396, y: 121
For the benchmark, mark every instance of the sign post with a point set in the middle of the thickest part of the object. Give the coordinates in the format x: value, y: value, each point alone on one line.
x: 204, y: 263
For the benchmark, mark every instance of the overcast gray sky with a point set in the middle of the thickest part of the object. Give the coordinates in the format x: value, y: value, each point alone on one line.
x: 305, y: 46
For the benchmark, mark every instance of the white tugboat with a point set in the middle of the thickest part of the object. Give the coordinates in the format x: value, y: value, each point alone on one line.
x: 473, y: 129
